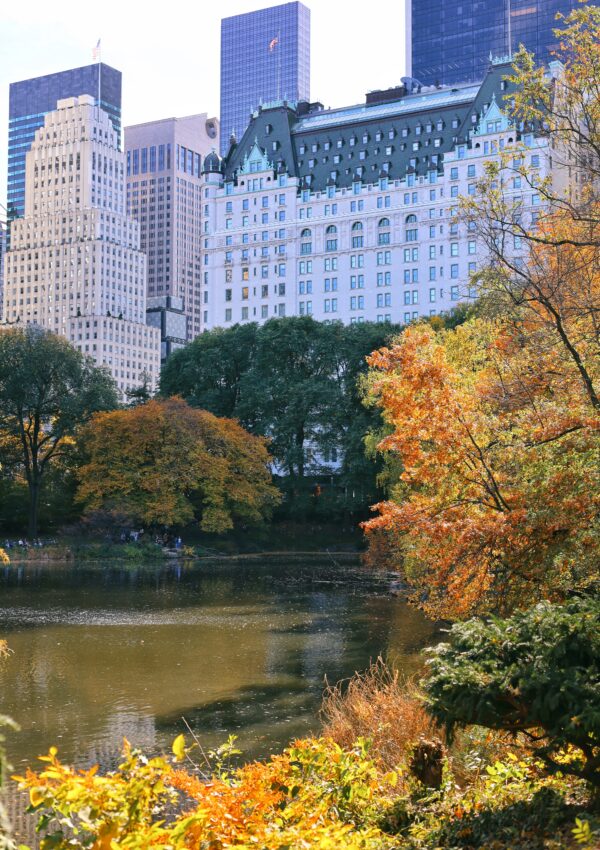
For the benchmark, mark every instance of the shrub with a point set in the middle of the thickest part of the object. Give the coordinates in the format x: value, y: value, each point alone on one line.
x: 536, y: 673
x: 382, y: 707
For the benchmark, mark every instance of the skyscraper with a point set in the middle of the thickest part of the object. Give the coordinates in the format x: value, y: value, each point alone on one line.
x: 265, y: 56
x: 75, y: 265
x: 30, y: 101
x: 451, y: 40
x: 164, y: 161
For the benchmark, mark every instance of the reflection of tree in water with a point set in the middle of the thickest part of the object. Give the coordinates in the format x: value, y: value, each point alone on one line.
x: 110, y: 651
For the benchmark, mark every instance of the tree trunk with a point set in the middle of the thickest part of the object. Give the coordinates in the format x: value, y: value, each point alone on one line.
x: 34, y: 501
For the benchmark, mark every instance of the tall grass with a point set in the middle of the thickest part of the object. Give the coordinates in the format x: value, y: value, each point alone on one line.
x: 382, y: 706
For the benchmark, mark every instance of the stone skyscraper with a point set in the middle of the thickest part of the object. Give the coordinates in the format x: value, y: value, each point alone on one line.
x: 164, y: 161
x: 30, y: 101
x: 74, y: 264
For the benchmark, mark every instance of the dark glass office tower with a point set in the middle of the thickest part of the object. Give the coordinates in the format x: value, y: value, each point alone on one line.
x: 31, y: 100
x: 451, y: 40
x: 265, y: 56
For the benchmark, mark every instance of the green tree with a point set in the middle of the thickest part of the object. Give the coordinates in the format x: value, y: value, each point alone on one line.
x: 536, y: 673
x: 48, y: 390
x: 295, y: 381
x: 209, y: 371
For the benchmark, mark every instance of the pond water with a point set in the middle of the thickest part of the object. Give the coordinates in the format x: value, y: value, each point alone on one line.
x: 100, y: 653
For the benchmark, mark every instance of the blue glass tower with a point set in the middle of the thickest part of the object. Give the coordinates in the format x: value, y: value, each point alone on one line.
x: 265, y: 56
x: 451, y: 40
x: 31, y: 100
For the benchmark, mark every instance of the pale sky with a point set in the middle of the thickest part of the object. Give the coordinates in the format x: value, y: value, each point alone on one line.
x: 169, y: 54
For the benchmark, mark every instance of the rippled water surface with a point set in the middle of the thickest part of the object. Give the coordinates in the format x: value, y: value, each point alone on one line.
x: 105, y: 652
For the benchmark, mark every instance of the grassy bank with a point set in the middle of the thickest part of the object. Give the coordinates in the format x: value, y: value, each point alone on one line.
x: 343, y: 544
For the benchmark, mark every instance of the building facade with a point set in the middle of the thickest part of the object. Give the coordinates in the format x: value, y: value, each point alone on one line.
x: 2, y: 252
x: 31, y: 100
x: 451, y: 40
x: 74, y: 264
x: 164, y: 161
x: 349, y: 214
x: 265, y: 56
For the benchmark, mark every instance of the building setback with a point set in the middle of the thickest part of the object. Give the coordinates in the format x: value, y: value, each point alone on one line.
x: 164, y: 160
x: 451, y: 40
x: 265, y: 56
x: 31, y: 100
x: 348, y: 214
x: 75, y: 265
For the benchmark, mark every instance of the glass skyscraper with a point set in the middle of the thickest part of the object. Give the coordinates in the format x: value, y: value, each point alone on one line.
x: 31, y: 100
x: 451, y: 40
x: 265, y: 56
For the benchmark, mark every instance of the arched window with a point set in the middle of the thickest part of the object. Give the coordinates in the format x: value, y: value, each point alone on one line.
x: 358, y: 239
x: 383, y: 236
x: 331, y: 242
x: 306, y: 243
x: 412, y: 233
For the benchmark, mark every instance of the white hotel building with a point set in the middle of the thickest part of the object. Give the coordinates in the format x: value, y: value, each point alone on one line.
x: 75, y: 265
x: 347, y: 214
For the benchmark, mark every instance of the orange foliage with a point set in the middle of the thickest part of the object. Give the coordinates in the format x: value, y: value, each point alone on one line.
x: 164, y: 462
x: 498, y: 436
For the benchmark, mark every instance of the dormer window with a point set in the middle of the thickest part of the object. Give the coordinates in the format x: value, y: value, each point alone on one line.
x: 315, y: 147
x: 429, y: 127
x: 418, y: 130
x: 352, y: 141
x: 302, y: 150
x: 440, y: 125
x: 391, y: 134
x: 378, y: 136
x: 365, y: 138
x: 455, y: 123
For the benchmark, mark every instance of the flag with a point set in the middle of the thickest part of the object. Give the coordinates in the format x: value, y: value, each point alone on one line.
x: 96, y: 52
x: 273, y: 44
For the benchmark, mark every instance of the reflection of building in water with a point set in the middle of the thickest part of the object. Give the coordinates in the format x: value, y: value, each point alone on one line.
x: 107, y: 748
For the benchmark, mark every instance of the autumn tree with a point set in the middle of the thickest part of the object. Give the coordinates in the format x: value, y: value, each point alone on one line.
x: 165, y: 463
x: 48, y: 390
x: 498, y: 499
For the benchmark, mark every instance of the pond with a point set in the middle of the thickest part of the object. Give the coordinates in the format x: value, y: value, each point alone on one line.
x: 101, y: 653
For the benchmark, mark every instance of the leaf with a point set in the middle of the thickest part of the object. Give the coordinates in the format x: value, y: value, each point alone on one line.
x: 179, y: 747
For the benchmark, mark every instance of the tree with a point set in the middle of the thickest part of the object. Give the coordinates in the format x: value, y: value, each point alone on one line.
x: 536, y: 673
x: 48, y: 390
x: 498, y: 497
x: 295, y: 381
x: 208, y: 372
x: 164, y: 463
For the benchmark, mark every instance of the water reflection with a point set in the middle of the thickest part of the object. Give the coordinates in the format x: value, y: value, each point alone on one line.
x: 103, y: 653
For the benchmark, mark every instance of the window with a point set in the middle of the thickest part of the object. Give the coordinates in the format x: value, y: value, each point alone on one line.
x: 454, y: 293
x: 454, y: 270
x: 305, y: 243
x: 357, y: 235
x: 228, y: 314
x: 383, y: 236
x: 412, y: 233
x: 454, y: 249
x: 432, y: 294
x: 331, y: 242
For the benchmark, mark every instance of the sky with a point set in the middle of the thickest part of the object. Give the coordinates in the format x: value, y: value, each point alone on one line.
x: 169, y: 56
